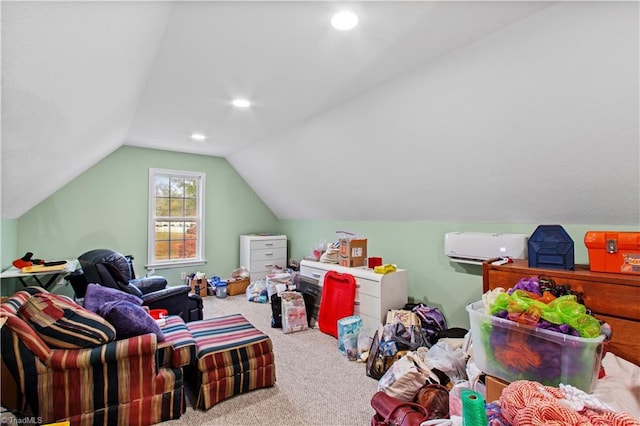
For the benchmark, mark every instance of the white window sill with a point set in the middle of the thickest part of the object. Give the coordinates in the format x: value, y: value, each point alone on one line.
x: 176, y: 264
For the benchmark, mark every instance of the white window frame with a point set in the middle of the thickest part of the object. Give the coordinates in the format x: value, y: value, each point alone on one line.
x: 151, y: 233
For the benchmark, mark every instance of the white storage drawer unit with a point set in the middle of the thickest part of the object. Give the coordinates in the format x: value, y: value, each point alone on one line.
x: 261, y: 253
x: 375, y: 293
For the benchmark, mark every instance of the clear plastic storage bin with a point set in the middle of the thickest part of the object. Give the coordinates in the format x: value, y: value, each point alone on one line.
x: 513, y: 351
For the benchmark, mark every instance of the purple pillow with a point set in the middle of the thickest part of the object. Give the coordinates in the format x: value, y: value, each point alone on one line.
x: 97, y: 295
x: 129, y: 319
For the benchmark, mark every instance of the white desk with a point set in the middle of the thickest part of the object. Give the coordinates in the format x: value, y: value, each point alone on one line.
x: 375, y: 293
x: 54, y: 276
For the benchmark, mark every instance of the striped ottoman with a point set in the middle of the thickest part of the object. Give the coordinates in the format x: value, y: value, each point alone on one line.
x: 232, y: 357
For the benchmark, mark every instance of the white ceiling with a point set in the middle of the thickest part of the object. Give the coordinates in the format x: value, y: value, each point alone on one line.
x: 89, y: 77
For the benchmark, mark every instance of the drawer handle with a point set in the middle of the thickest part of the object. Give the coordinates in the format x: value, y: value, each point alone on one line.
x: 315, y: 275
x: 358, y: 285
x: 356, y: 302
x: 269, y: 265
x: 268, y: 244
x: 269, y: 254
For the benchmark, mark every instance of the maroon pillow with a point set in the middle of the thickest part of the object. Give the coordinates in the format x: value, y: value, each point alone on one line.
x: 129, y: 319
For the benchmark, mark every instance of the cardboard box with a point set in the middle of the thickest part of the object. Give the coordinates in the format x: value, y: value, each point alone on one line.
x: 494, y: 387
x: 199, y: 286
x: 237, y: 286
x: 613, y: 251
x: 499, y: 346
x: 353, y: 252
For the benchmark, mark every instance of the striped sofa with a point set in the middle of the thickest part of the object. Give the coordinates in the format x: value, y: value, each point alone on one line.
x: 133, y: 381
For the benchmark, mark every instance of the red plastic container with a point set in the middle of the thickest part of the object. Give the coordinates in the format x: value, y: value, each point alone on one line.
x: 158, y: 313
x: 374, y: 261
x: 338, y: 295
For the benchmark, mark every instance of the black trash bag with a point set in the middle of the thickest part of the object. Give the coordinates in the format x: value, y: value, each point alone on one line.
x: 453, y: 332
x: 276, y: 311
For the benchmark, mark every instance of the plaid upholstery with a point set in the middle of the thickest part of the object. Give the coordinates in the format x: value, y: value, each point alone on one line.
x: 63, y: 324
x: 112, y: 384
x: 233, y: 357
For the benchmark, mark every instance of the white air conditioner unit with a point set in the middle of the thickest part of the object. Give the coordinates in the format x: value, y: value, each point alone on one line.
x: 476, y: 247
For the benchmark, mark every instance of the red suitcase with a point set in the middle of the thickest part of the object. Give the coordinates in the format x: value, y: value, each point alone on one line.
x: 613, y: 251
x: 338, y: 295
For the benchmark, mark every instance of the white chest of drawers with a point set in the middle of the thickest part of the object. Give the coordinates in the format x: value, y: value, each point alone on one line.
x: 375, y: 293
x: 260, y: 253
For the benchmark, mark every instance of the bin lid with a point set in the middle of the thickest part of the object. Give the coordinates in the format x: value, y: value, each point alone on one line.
x: 350, y: 320
x: 550, y: 234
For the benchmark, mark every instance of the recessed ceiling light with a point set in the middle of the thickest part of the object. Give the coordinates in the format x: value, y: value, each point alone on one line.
x: 198, y: 136
x: 241, y: 103
x: 344, y: 20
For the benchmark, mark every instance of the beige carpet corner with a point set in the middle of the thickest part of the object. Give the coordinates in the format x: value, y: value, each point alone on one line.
x: 315, y: 383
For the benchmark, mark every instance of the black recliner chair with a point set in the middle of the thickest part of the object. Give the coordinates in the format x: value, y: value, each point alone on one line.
x: 112, y: 269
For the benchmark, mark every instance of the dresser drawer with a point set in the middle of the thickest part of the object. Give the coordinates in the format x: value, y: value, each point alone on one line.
x: 316, y: 274
x: 268, y: 254
x: 367, y: 305
x: 268, y: 244
x: 365, y: 286
x: 266, y: 265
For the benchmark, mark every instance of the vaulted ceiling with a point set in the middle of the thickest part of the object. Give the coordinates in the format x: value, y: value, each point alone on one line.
x: 507, y: 112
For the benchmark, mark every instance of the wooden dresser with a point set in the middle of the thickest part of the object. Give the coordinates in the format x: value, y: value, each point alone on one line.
x: 614, y: 298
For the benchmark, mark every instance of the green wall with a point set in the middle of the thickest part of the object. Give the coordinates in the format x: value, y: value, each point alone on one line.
x: 418, y: 247
x: 106, y: 207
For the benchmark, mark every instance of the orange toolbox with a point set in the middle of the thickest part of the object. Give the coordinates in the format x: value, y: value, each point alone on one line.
x: 613, y: 251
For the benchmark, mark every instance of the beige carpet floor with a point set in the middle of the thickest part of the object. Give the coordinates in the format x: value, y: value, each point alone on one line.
x: 315, y: 383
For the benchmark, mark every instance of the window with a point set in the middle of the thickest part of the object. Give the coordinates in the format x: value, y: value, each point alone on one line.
x: 176, y: 218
